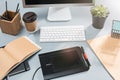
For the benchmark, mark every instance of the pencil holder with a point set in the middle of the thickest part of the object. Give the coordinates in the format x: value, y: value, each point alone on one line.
x: 13, y: 25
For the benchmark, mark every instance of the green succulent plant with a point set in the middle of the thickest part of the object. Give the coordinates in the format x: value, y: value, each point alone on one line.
x: 99, y: 11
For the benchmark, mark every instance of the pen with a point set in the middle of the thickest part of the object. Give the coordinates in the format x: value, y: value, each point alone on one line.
x: 17, y: 7
x: 7, y: 77
x: 85, y: 56
x: 2, y: 17
x: 17, y: 10
x: 6, y: 10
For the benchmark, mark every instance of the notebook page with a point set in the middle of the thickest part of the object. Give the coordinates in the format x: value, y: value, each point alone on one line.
x: 22, y: 48
x: 6, y: 63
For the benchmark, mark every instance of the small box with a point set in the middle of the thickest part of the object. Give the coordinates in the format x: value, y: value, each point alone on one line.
x: 12, y: 26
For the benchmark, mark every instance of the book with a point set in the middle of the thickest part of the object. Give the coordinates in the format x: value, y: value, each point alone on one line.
x: 107, y: 49
x: 15, y: 53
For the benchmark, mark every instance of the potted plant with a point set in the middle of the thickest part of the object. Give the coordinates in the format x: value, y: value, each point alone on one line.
x: 99, y: 15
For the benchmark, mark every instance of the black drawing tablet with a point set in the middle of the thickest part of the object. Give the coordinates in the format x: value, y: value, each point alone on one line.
x: 62, y: 62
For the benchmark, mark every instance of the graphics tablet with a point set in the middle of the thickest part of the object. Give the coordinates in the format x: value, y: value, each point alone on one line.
x: 62, y: 62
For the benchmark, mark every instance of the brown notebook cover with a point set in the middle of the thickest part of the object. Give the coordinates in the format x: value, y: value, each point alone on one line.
x: 14, y: 53
x: 107, y: 50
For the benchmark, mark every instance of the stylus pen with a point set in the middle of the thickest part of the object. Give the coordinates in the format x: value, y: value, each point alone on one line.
x: 6, y: 15
x: 7, y: 78
x: 85, y: 56
x: 2, y: 17
x: 17, y: 10
x: 17, y: 7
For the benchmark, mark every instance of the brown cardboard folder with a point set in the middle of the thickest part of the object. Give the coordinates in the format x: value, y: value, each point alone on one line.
x: 107, y: 50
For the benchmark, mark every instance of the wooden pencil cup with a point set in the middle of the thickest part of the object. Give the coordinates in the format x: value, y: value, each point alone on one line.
x: 13, y: 25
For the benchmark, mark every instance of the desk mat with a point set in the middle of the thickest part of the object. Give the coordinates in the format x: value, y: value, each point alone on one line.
x: 107, y: 50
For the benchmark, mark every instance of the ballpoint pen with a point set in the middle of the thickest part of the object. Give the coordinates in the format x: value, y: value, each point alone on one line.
x: 85, y: 56
x: 17, y: 7
x: 17, y: 10
x: 6, y: 14
x: 7, y: 77
x: 2, y: 17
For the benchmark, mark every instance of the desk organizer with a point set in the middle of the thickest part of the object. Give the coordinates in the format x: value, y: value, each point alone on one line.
x: 115, y: 33
x: 12, y: 26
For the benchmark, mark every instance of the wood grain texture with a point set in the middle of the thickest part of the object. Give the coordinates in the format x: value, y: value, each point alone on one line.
x: 12, y: 27
x: 107, y: 50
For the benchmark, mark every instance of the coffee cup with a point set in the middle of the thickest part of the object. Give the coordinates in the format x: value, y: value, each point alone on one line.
x: 29, y: 19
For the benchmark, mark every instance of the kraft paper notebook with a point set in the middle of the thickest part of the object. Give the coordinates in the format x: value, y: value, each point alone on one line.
x: 107, y: 50
x: 14, y: 53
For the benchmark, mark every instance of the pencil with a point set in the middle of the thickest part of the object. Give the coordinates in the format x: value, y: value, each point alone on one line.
x: 6, y: 15
x: 17, y: 7
x: 2, y: 17
x: 17, y: 10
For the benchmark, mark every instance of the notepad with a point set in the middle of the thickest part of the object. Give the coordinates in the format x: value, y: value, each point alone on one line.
x: 16, y: 52
x: 107, y: 49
